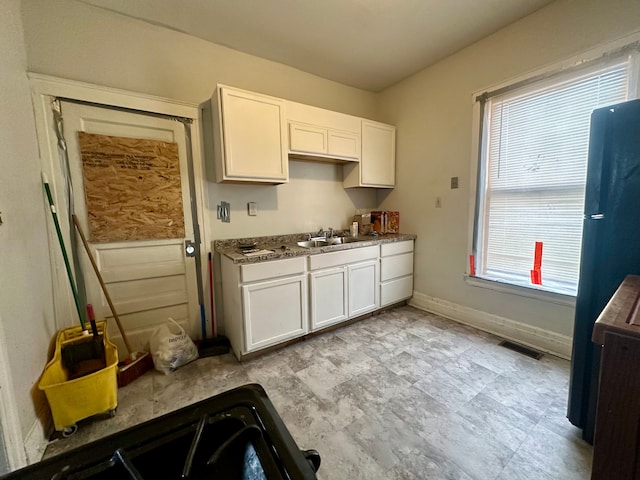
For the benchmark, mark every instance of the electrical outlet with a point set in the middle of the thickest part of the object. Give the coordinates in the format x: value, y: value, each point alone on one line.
x: 454, y: 182
x: 438, y: 202
x: 252, y: 208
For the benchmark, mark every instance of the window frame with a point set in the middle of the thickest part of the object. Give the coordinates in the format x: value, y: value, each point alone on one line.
x: 604, y: 54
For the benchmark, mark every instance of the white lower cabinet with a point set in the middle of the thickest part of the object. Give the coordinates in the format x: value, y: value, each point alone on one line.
x: 343, y: 285
x: 396, y: 272
x: 268, y: 303
x: 264, y: 303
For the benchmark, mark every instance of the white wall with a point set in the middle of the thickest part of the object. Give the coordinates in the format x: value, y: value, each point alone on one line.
x: 73, y: 40
x: 25, y: 282
x: 314, y: 198
x: 433, y: 113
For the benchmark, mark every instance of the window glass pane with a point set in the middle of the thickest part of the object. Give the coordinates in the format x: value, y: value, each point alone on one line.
x: 536, y: 163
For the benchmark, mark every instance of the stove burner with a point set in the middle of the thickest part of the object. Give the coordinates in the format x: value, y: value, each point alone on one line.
x: 236, y: 435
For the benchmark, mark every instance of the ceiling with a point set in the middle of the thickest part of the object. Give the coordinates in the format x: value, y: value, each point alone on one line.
x: 368, y: 44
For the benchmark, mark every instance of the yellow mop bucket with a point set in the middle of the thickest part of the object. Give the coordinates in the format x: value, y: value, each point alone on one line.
x: 75, y: 399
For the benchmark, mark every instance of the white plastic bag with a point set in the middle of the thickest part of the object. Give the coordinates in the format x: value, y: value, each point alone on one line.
x: 171, y: 347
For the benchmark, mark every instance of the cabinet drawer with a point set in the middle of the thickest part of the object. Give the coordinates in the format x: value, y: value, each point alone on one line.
x: 396, y: 266
x: 343, y: 257
x: 396, y: 290
x: 395, y: 248
x: 277, y: 268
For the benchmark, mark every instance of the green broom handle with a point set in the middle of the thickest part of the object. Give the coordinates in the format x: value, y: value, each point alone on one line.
x: 64, y: 250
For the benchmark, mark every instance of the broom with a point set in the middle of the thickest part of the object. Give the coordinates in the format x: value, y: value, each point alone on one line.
x: 138, y: 362
x: 218, y: 345
x: 54, y: 215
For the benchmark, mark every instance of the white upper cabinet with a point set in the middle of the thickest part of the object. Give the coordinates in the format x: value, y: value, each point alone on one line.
x: 322, y: 135
x: 310, y: 142
x: 377, y: 167
x: 250, y: 137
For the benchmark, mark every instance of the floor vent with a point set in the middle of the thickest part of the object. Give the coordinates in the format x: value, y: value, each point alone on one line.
x: 529, y: 352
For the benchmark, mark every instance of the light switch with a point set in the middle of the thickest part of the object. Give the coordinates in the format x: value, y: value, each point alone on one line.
x: 252, y: 207
x: 454, y: 182
x: 224, y: 212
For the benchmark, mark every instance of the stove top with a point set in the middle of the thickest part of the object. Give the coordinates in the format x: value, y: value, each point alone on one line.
x: 234, y: 435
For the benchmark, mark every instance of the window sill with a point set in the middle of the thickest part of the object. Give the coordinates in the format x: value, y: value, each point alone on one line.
x: 542, y: 295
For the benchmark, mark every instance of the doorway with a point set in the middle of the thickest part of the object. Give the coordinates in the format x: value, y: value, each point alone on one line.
x: 149, y: 280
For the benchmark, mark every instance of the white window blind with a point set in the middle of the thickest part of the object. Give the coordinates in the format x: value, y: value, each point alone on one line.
x: 534, y: 171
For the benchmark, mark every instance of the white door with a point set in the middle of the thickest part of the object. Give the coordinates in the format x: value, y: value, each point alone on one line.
x: 148, y: 280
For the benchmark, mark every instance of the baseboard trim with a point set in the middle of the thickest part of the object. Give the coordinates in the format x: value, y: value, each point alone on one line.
x: 35, y: 442
x: 534, y: 337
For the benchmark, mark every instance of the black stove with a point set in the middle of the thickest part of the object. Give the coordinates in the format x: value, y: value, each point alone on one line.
x: 234, y: 435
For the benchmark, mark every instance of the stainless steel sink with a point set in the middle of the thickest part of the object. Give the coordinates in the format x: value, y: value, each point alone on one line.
x: 313, y: 243
x: 339, y: 240
x: 326, y: 241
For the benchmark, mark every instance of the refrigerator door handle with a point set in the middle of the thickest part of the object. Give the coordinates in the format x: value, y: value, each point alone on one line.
x: 596, y: 216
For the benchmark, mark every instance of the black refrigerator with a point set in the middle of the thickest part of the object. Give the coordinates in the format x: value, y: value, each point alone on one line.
x: 610, y: 244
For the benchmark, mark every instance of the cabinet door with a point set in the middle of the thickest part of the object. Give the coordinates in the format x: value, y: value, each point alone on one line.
x: 328, y: 297
x: 363, y: 287
x: 378, y: 162
x: 253, y: 137
x: 323, y: 142
x: 307, y: 138
x: 274, y: 311
x: 344, y: 144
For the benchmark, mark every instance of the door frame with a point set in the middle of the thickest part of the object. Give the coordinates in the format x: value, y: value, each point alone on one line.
x: 11, y: 433
x: 45, y: 89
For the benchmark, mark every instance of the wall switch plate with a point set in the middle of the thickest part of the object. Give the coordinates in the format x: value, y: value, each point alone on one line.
x: 224, y: 212
x: 454, y: 182
x: 438, y: 202
x: 252, y: 208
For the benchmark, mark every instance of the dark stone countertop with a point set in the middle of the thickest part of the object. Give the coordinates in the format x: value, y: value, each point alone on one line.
x: 285, y: 246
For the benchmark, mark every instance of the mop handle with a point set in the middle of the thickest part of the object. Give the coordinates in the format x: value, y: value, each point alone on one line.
x: 54, y: 214
x: 87, y: 249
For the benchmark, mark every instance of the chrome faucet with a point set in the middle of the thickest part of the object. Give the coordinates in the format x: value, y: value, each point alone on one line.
x: 330, y: 232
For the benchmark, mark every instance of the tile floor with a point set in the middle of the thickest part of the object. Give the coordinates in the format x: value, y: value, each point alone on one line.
x: 401, y: 395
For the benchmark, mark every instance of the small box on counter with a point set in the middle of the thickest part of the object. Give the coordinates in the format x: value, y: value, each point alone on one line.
x: 385, y: 222
x: 393, y: 222
x: 364, y: 223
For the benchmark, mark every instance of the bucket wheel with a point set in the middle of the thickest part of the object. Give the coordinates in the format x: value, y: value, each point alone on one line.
x: 68, y: 431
